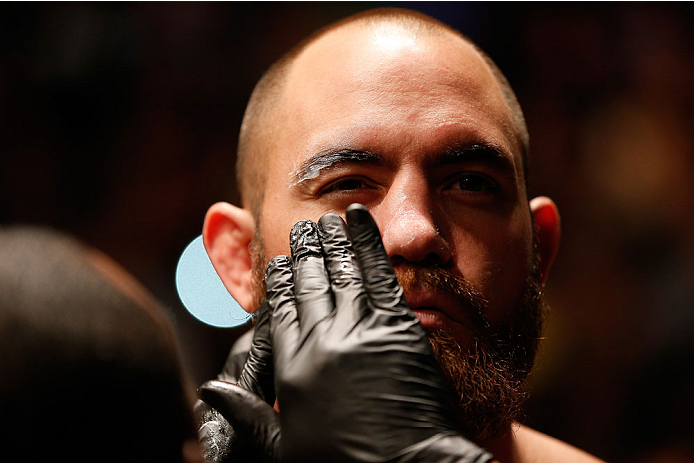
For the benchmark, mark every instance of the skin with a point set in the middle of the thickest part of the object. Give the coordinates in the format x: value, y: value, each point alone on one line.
x: 408, y: 102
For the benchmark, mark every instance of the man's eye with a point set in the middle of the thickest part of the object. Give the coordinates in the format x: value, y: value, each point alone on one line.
x: 475, y: 183
x: 347, y: 184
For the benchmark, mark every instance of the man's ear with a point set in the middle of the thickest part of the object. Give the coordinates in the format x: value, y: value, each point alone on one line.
x: 547, y: 226
x: 227, y: 232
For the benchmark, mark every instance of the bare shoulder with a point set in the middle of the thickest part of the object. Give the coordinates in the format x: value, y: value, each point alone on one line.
x: 525, y: 445
x: 534, y: 446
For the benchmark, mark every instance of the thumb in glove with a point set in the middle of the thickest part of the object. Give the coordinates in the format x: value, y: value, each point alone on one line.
x: 219, y: 440
x: 256, y: 424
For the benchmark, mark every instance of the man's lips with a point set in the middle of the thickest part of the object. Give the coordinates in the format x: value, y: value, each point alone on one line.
x: 434, y: 310
x: 433, y: 319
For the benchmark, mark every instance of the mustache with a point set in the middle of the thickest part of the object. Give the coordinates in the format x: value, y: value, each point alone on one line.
x: 437, y: 279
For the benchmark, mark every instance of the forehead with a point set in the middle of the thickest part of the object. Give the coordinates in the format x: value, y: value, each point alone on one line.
x: 387, y: 89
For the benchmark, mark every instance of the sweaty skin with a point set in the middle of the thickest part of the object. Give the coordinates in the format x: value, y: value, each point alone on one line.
x: 409, y: 106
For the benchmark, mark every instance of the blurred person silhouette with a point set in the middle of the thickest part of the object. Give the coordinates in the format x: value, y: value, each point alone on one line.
x: 90, y: 368
x: 406, y: 116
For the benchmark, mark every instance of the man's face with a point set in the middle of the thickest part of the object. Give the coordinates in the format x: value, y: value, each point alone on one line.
x: 417, y: 130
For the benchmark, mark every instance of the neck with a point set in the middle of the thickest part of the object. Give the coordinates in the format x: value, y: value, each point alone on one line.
x: 503, y: 446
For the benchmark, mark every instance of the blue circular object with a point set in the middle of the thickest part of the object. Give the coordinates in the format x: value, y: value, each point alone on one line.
x: 202, y: 292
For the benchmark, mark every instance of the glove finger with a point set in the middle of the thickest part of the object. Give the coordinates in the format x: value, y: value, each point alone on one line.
x: 314, y: 300
x: 255, y: 422
x: 343, y: 268
x: 284, y: 324
x: 257, y: 375
x: 381, y: 285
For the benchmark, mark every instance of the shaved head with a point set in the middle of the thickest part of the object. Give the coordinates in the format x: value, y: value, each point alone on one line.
x: 265, y: 110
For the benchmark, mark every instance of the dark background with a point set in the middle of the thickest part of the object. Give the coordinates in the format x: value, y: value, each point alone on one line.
x: 118, y: 124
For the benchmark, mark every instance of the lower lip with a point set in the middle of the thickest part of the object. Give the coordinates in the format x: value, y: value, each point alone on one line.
x: 432, y: 319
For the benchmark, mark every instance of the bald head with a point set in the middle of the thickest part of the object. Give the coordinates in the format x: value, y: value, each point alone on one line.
x: 267, y: 107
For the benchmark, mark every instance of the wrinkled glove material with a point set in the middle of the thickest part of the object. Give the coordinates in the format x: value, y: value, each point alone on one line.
x: 354, y: 373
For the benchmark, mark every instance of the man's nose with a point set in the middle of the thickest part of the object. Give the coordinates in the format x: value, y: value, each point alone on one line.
x: 409, y: 228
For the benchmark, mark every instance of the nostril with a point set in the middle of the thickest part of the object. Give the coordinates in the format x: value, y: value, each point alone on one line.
x: 432, y: 259
x: 417, y: 245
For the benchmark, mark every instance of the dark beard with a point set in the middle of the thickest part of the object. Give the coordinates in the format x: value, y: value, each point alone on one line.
x: 489, y: 374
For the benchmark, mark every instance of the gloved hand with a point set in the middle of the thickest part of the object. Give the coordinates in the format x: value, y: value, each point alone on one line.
x: 355, y: 376
x: 252, y: 370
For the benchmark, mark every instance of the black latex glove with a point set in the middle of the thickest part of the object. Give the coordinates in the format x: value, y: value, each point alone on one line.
x: 250, y: 368
x: 355, y: 376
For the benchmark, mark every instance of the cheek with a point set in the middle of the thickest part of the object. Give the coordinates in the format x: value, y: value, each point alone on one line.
x: 274, y: 232
x: 496, y: 260
x: 279, y: 211
x: 280, y: 214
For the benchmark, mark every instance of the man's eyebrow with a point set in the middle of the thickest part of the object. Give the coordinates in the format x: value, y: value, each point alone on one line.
x: 481, y: 153
x: 313, y: 166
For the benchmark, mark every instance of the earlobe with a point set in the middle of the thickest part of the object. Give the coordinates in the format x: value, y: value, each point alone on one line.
x: 547, y: 227
x: 227, y: 233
